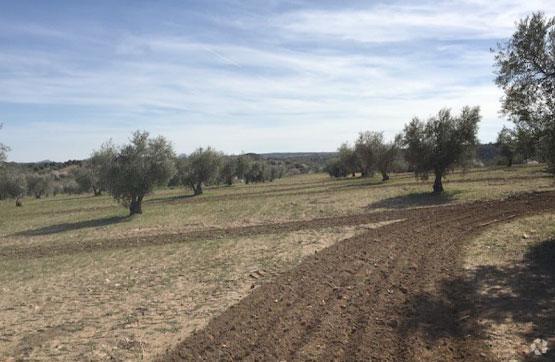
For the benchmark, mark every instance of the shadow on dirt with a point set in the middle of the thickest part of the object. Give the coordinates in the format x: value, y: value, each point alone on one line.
x: 162, y: 199
x: 59, y: 228
x: 415, y: 199
x: 523, y: 293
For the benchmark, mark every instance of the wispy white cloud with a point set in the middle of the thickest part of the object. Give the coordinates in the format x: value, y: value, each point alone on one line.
x: 314, y: 78
x: 443, y: 20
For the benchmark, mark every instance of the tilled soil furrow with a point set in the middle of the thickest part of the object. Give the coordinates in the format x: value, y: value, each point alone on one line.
x: 340, y: 289
x: 388, y: 283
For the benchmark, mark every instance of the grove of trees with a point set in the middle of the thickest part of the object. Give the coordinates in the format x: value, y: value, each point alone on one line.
x: 435, y: 146
x: 370, y: 154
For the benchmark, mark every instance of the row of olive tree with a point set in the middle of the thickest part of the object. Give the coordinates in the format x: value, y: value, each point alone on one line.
x: 434, y: 146
x: 15, y: 184
x: 131, y: 172
x: 208, y: 166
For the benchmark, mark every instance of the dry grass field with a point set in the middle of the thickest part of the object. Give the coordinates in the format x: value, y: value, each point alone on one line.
x: 82, y: 281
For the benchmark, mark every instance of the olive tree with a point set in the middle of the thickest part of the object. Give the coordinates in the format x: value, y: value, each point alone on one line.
x: 83, y: 178
x: 12, y: 186
x: 134, y: 170
x: 507, y: 143
x: 97, y: 166
x: 243, y: 165
x: 348, y: 158
x: 200, y: 167
x: 276, y: 171
x: 526, y: 73
x: 440, y: 143
x: 38, y: 185
x: 385, y: 153
x: 336, y: 168
x: 228, y: 170
x: 257, y: 172
x: 365, y: 150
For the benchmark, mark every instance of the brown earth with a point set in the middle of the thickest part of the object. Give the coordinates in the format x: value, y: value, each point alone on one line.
x: 73, y: 246
x: 394, y: 293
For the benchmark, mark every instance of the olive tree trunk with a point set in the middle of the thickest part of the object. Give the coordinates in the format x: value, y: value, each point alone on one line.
x: 385, y: 176
x: 438, y: 185
x: 198, y: 188
x: 136, y: 205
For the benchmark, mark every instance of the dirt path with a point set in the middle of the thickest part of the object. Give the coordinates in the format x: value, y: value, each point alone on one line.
x: 393, y: 293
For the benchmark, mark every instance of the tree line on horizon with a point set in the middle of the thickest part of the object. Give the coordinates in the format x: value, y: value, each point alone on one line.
x: 525, y: 71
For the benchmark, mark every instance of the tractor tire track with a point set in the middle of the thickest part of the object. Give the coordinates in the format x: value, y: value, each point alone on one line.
x: 371, y: 297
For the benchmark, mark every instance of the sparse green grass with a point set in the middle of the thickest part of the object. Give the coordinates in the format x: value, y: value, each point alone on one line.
x: 144, y: 299
x: 301, y: 197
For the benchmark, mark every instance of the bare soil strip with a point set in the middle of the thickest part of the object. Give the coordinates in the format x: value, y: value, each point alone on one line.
x: 71, y: 247
x: 393, y: 293
x: 74, y: 246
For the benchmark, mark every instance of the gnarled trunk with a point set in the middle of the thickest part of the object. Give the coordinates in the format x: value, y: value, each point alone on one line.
x: 136, y: 205
x: 97, y: 191
x: 18, y: 202
x: 198, y: 188
x: 385, y: 176
x: 438, y: 186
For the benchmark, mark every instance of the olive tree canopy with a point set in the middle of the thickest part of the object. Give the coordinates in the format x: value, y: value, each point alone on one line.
x: 228, y: 170
x: 365, y: 150
x: 97, y: 165
x: 132, y: 171
x: 385, y: 153
x: 441, y: 142
x: 348, y: 158
x: 12, y: 185
x: 38, y: 185
x: 526, y: 73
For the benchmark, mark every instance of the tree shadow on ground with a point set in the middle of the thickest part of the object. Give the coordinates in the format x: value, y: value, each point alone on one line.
x: 59, y: 228
x: 162, y: 199
x: 523, y: 292
x: 54, y: 198
x: 415, y: 199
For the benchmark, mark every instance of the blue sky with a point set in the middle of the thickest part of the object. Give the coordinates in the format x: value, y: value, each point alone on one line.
x: 254, y: 76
